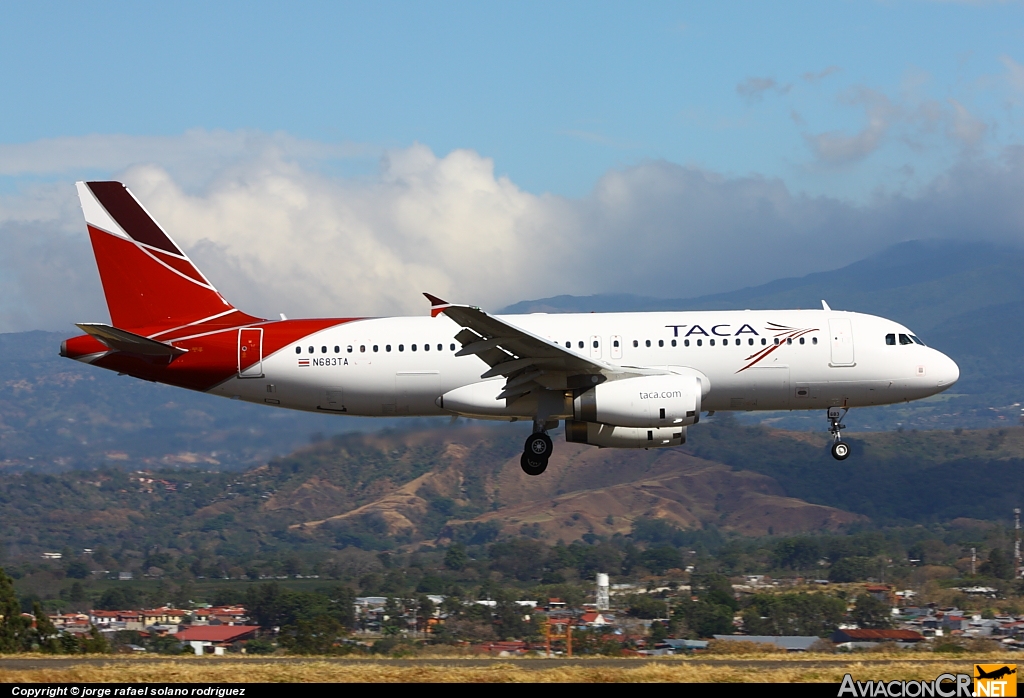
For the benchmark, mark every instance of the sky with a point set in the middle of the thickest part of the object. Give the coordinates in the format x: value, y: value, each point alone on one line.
x: 340, y: 158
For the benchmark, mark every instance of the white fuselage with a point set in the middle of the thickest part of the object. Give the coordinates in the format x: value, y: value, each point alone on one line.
x: 404, y: 365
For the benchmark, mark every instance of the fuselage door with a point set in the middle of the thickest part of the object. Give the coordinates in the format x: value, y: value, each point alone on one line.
x: 616, y: 348
x: 250, y: 352
x: 595, y: 347
x: 841, y: 335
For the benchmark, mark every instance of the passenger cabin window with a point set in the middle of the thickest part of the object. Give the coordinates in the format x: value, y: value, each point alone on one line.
x: 362, y: 348
x: 686, y: 342
x: 413, y: 347
x: 661, y: 342
x: 440, y: 347
x: 426, y: 347
x: 349, y: 348
x: 636, y: 343
x: 452, y: 347
x: 311, y: 350
x: 763, y: 341
x: 789, y: 340
x: 298, y: 350
x: 711, y: 342
x: 615, y: 343
x: 801, y: 340
x: 648, y: 342
x: 376, y: 347
x: 700, y: 342
x: 387, y: 347
x: 336, y: 348
x: 673, y: 342
x: 401, y: 347
x: 595, y: 345
x: 581, y: 345
x: 904, y: 339
x: 814, y: 340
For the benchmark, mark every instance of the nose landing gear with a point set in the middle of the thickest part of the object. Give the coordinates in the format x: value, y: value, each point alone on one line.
x: 536, y: 451
x: 840, y: 449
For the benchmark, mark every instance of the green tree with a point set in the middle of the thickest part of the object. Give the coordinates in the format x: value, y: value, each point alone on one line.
x: 456, y: 558
x: 45, y: 635
x: 317, y: 636
x: 799, y: 553
x: 793, y: 614
x: 14, y: 629
x: 702, y: 618
x: 646, y: 606
x: 77, y: 570
x: 424, y: 612
x: 871, y: 613
x: 850, y: 569
x: 998, y: 564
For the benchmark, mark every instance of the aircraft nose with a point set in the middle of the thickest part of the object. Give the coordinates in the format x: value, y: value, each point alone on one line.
x: 947, y: 371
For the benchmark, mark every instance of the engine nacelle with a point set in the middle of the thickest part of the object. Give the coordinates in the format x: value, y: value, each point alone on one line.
x: 645, y: 401
x: 607, y: 436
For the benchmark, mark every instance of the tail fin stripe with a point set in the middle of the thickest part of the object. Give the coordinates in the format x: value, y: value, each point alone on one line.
x: 176, y: 271
x: 184, y: 266
x: 131, y: 217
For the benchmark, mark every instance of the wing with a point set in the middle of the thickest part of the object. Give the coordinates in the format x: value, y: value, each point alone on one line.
x: 527, y: 362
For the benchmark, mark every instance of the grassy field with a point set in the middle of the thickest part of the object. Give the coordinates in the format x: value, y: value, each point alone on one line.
x: 769, y: 668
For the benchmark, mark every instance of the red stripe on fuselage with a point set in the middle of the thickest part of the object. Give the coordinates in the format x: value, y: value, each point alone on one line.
x: 211, y: 359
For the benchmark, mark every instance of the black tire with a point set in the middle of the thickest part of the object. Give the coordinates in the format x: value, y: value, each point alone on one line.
x: 538, y: 447
x: 840, y: 450
x: 531, y: 466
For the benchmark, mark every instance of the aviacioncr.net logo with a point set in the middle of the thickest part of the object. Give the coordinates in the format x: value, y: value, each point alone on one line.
x: 943, y: 686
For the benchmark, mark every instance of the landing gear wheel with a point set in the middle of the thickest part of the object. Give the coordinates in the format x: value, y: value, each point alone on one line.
x: 532, y: 466
x: 840, y: 449
x: 538, y: 446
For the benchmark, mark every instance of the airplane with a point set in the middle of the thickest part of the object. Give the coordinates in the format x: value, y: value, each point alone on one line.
x: 617, y: 380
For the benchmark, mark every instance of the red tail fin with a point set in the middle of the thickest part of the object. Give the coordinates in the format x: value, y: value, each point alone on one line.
x: 149, y: 283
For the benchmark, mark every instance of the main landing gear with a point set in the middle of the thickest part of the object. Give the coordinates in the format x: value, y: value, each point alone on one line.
x: 840, y: 449
x: 536, y: 451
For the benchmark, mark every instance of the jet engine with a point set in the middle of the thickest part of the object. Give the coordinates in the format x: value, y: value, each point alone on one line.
x: 607, y: 436
x: 669, y: 401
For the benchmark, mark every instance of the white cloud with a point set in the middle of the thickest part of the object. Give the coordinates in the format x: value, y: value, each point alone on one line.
x: 279, y: 236
x: 754, y: 89
x: 836, y: 147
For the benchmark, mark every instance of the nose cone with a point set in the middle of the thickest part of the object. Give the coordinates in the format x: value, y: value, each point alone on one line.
x: 947, y: 372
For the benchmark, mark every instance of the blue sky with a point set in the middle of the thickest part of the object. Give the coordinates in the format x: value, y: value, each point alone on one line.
x: 556, y: 93
x: 857, y: 107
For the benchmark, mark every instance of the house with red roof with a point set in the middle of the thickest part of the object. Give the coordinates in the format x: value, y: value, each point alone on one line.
x: 851, y: 639
x: 216, y: 638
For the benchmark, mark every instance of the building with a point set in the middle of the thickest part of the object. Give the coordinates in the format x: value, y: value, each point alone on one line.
x: 790, y: 643
x: 853, y: 639
x: 214, y: 639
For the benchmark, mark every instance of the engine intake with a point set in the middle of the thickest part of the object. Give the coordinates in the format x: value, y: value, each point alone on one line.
x: 646, y: 401
x: 608, y: 436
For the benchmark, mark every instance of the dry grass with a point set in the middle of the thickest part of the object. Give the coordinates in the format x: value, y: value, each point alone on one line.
x: 784, y: 669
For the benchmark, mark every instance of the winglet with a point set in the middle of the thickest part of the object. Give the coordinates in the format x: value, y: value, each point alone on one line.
x: 437, y: 305
x: 824, y: 306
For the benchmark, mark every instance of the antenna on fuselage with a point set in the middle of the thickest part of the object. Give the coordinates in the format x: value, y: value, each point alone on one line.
x: 824, y: 305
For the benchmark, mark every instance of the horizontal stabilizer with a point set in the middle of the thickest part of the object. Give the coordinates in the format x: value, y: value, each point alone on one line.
x: 129, y: 343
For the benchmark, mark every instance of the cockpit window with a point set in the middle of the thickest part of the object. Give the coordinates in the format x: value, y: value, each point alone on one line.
x: 904, y: 339
x: 890, y: 339
x: 916, y: 340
